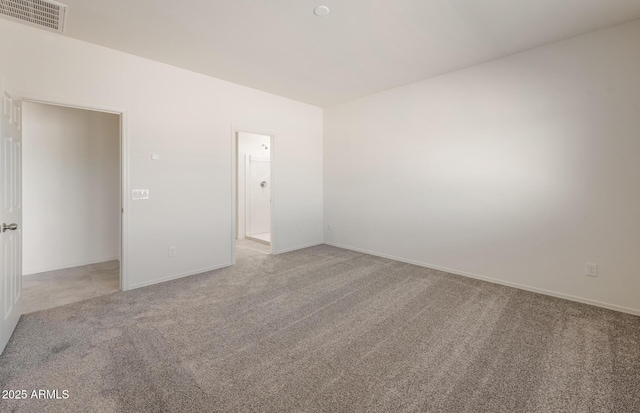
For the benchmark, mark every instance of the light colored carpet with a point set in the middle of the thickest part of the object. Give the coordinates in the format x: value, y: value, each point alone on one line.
x: 325, y: 329
x: 55, y: 288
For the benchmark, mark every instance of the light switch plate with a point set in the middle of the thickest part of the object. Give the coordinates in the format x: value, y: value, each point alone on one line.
x: 138, y: 194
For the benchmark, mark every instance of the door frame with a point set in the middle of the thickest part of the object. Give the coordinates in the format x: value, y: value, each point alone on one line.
x: 124, y: 169
x: 234, y: 185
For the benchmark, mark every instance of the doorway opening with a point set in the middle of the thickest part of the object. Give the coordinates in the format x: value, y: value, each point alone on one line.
x: 71, y: 204
x: 253, y: 183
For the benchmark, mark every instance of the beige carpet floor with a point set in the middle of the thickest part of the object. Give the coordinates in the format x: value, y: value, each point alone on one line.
x: 325, y: 329
x: 68, y: 285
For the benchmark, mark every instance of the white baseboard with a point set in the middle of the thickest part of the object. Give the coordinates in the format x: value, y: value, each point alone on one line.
x: 217, y: 267
x: 176, y: 276
x: 61, y: 267
x: 496, y: 281
x: 297, y: 248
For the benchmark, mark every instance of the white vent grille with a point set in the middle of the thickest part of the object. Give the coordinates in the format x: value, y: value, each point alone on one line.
x: 47, y: 14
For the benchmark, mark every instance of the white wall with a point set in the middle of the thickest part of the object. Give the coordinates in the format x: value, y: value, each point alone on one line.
x: 70, y: 187
x: 520, y: 169
x: 248, y: 144
x: 187, y: 119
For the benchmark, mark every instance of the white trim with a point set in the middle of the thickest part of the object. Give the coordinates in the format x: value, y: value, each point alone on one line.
x: 272, y: 177
x: 80, y: 264
x: 181, y: 275
x: 496, y: 281
x: 125, y: 201
x: 70, y: 103
x: 234, y: 193
x: 301, y: 247
x: 124, y: 167
x: 253, y: 249
x: 258, y: 240
x: 247, y: 193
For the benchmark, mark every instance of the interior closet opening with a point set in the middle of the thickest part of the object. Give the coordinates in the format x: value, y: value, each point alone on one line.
x: 71, y: 204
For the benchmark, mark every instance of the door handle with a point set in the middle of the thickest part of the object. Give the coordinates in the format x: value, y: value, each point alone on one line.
x: 10, y: 227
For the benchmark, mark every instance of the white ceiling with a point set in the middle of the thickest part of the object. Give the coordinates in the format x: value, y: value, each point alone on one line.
x: 362, y: 47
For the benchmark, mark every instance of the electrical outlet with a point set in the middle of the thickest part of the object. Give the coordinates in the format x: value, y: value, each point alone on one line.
x: 591, y: 269
x: 172, y: 251
x: 138, y: 194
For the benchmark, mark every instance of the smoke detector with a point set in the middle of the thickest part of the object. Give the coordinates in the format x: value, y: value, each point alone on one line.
x: 44, y: 14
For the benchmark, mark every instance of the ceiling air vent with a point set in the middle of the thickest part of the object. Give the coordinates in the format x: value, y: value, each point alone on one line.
x: 47, y: 14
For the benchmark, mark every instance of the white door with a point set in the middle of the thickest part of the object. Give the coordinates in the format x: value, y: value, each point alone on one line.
x: 258, y: 199
x: 10, y: 216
